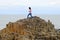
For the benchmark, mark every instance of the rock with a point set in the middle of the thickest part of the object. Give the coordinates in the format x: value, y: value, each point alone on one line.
x: 29, y: 29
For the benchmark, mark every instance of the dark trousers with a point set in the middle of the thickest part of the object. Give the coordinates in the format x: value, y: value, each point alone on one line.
x: 30, y: 14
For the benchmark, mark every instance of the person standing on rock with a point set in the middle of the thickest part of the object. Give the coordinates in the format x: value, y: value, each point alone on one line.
x: 29, y: 13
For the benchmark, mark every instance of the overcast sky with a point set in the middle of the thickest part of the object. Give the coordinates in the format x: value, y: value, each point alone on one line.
x: 38, y: 6
x: 8, y: 8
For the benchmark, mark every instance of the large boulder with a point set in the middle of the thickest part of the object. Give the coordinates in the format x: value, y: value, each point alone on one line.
x: 29, y: 29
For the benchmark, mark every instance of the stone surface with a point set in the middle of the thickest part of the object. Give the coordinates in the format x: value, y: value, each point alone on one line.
x: 30, y: 29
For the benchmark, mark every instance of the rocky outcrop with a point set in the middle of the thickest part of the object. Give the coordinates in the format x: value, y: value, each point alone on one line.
x: 29, y: 29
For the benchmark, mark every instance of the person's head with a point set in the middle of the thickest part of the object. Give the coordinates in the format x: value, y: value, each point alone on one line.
x: 29, y: 7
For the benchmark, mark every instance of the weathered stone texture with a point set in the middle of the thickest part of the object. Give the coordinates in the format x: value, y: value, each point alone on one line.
x: 29, y: 29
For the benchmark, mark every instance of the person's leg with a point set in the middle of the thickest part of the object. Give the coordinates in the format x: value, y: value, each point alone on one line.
x: 28, y: 15
x: 31, y: 15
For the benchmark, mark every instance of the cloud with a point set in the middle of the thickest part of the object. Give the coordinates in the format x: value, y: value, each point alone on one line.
x: 11, y: 2
x: 44, y: 2
x: 29, y: 2
x: 7, y: 4
x: 54, y: 2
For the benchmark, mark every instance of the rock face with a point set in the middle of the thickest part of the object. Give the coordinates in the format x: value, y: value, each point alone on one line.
x: 29, y: 29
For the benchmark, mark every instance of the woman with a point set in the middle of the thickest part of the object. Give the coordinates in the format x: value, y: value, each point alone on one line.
x: 29, y: 13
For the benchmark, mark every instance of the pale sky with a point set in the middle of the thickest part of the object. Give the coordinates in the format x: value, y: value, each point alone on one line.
x: 20, y: 7
x: 29, y: 2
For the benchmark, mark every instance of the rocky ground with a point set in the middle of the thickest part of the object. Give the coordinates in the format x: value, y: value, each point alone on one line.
x: 30, y: 29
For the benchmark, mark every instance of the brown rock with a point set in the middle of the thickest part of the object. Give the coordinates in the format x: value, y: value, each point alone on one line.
x: 29, y: 29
